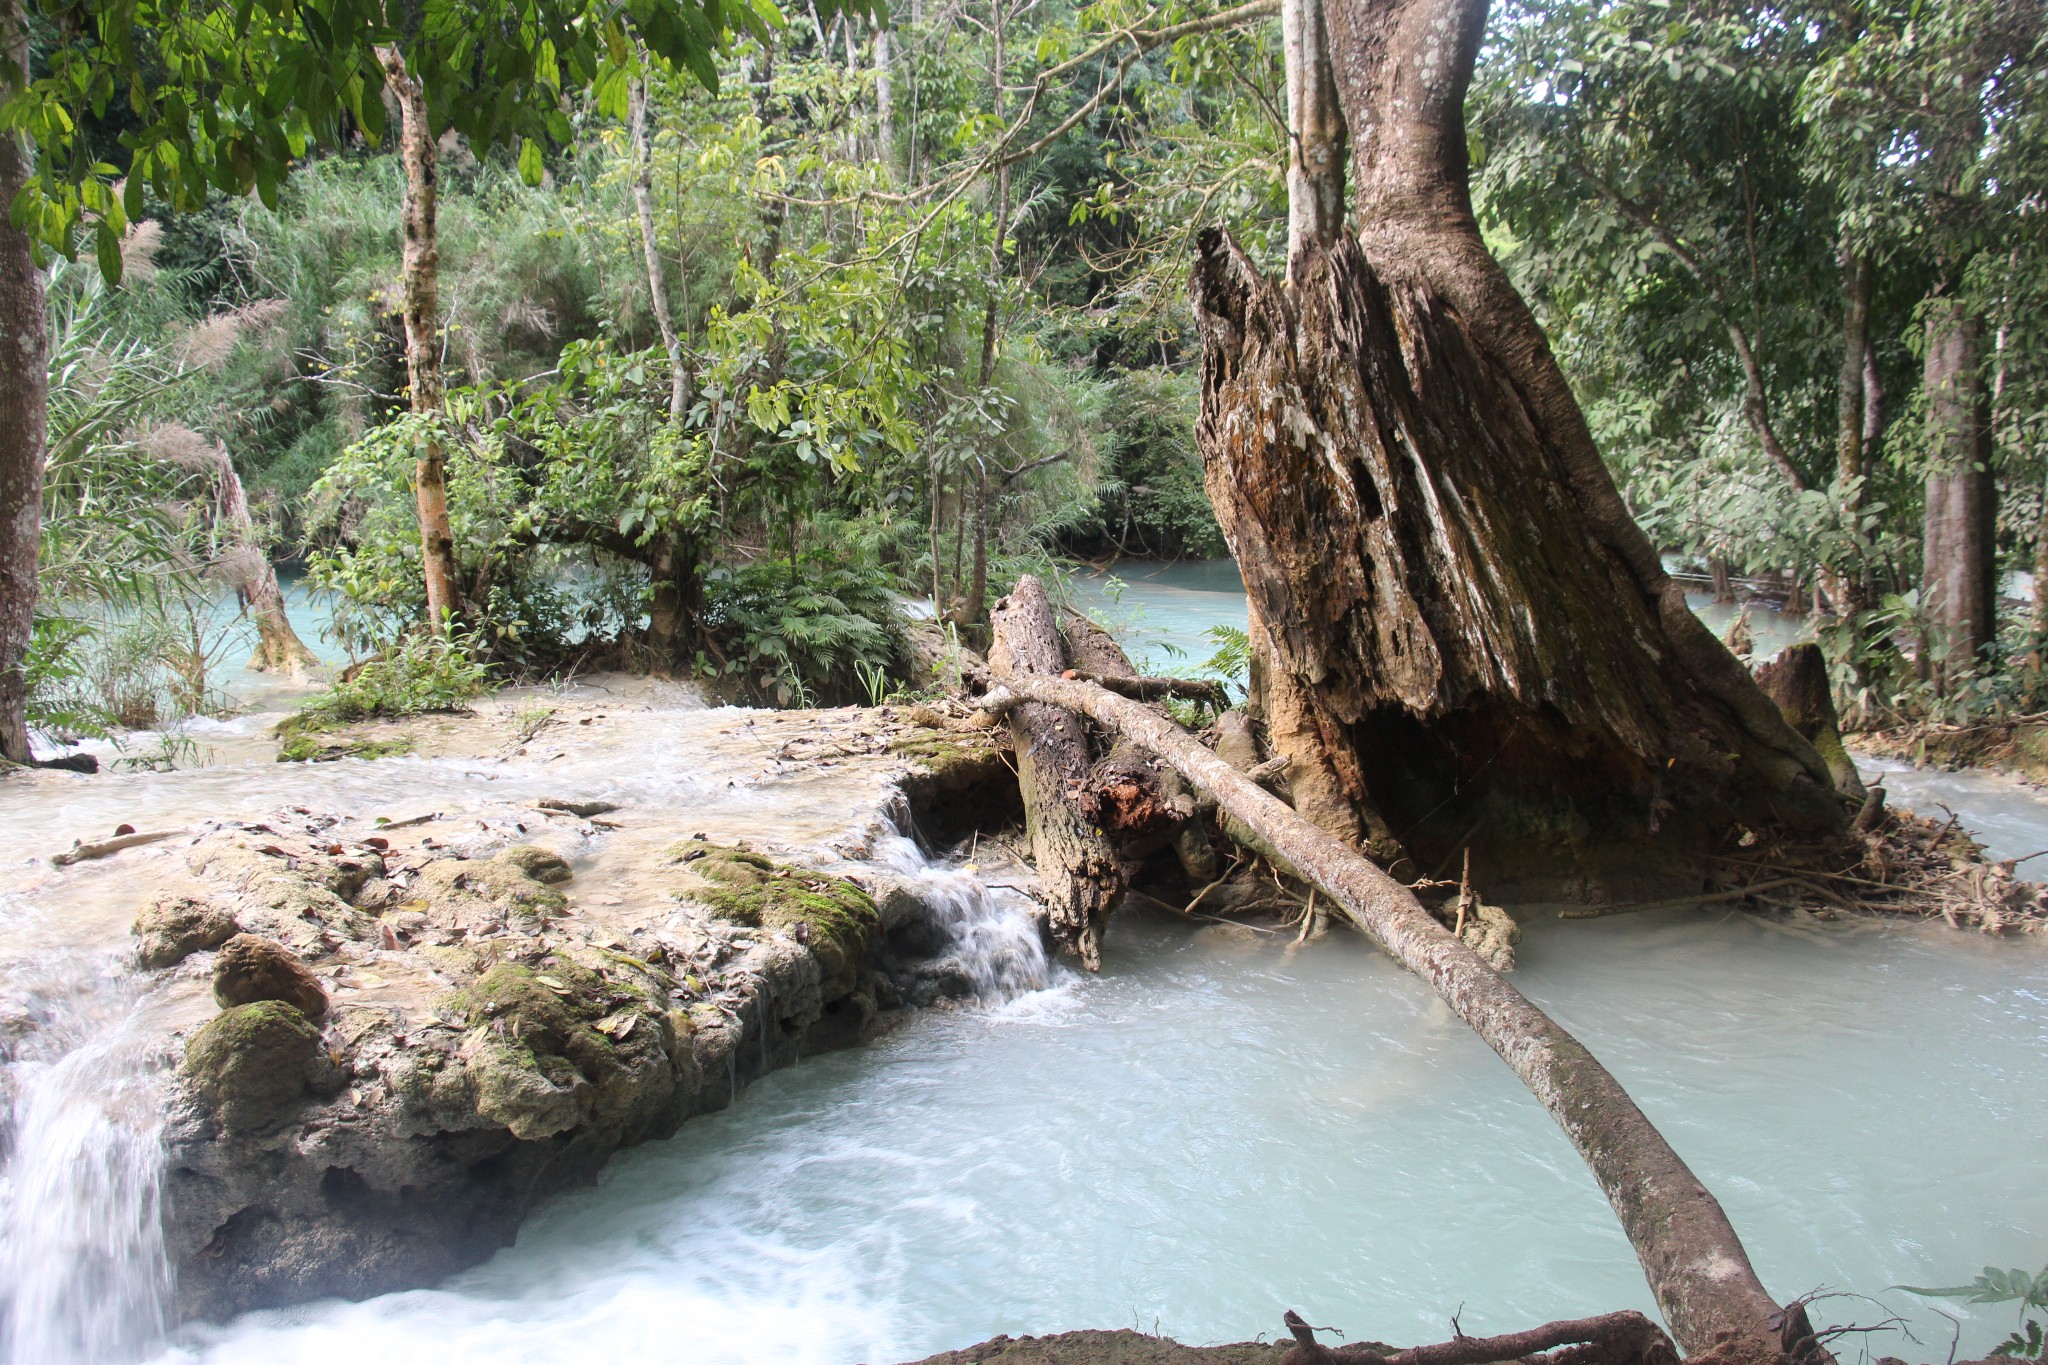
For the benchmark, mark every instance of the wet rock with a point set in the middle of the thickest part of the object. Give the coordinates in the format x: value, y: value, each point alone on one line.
x: 834, y: 920
x: 173, y: 928
x: 252, y: 969
x: 538, y: 863
x: 255, y: 1065
x: 500, y: 890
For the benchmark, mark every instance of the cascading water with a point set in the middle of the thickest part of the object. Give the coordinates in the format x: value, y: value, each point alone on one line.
x: 82, y: 1264
x: 993, y: 949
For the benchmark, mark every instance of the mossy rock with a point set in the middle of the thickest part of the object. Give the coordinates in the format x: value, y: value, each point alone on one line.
x: 830, y: 916
x: 256, y: 1064
x: 505, y: 882
x: 311, y: 749
x: 559, y: 1046
x: 953, y: 761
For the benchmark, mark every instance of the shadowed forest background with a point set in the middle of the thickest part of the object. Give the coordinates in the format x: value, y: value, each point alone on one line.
x: 901, y: 309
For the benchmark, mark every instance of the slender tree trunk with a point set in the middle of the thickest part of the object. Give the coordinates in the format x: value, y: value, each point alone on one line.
x: 278, y: 646
x: 1696, y: 1265
x: 1316, y: 136
x: 1960, y: 582
x: 673, y: 566
x: 650, y: 247
x: 1490, y: 653
x: 1848, y: 585
x: 885, y: 96
x: 976, y: 611
x: 24, y: 404
x: 422, y: 311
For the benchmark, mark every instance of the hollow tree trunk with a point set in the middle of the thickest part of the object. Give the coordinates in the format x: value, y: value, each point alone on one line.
x: 1960, y: 591
x: 421, y: 260
x: 24, y: 403
x: 1488, y: 649
x: 1080, y: 874
x: 1690, y: 1253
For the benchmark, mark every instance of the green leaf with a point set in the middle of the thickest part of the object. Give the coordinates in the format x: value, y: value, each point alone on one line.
x: 530, y: 164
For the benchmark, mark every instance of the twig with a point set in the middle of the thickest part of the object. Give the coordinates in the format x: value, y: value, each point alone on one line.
x: 79, y: 853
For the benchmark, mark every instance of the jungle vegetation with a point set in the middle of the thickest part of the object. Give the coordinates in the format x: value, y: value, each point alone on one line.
x: 700, y: 337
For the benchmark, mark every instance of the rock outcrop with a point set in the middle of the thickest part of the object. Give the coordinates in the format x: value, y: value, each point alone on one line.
x: 419, y: 1042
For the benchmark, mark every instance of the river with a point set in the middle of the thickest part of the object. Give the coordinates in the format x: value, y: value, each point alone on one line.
x: 1216, y: 1129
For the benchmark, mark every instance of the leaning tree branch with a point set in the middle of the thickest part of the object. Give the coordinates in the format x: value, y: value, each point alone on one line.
x: 1690, y: 1253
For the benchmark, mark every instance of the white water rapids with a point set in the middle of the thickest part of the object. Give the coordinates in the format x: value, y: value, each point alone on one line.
x: 1215, y: 1130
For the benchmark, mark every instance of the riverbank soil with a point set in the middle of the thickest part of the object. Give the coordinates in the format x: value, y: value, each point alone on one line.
x: 2018, y: 746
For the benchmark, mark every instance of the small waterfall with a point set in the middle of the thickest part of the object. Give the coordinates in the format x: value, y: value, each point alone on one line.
x: 84, y: 1279
x: 993, y: 948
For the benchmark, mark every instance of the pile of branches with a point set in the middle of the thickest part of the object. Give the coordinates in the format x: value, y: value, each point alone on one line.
x: 1894, y: 864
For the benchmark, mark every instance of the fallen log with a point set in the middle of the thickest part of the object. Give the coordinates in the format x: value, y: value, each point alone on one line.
x: 1694, y: 1261
x: 1080, y: 873
x: 1157, y: 689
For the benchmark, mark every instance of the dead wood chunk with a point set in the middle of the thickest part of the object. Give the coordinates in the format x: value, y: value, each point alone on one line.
x: 1797, y: 682
x: 251, y: 969
x: 1091, y: 649
x: 172, y: 928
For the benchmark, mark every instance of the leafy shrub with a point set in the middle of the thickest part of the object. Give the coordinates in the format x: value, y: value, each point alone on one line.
x: 2006, y: 1286
x: 811, y: 633
x: 425, y: 672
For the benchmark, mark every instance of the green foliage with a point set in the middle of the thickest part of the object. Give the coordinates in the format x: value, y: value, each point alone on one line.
x: 1149, y: 498
x: 2030, y: 1291
x: 218, y: 97
x: 819, y: 632
x: 426, y: 671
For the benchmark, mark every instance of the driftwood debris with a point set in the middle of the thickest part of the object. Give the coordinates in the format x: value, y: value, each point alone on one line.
x: 80, y: 853
x: 1690, y: 1253
x: 1626, y: 1338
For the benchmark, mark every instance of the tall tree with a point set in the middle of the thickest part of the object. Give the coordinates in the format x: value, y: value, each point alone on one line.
x: 1492, y: 656
x: 23, y: 409
x: 420, y: 309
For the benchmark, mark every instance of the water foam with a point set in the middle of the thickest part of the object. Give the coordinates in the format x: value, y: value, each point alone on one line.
x: 82, y: 1265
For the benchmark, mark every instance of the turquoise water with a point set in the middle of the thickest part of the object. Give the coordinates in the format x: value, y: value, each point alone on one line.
x: 1164, y: 612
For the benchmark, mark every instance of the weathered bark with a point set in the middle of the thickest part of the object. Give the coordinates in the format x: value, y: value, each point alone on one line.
x: 650, y: 248
x: 278, y: 646
x: 1079, y: 871
x: 421, y: 310
x: 1696, y: 1265
x: 24, y: 403
x: 1315, y: 132
x: 1486, y: 650
x: 1960, y: 586
x: 1797, y: 680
